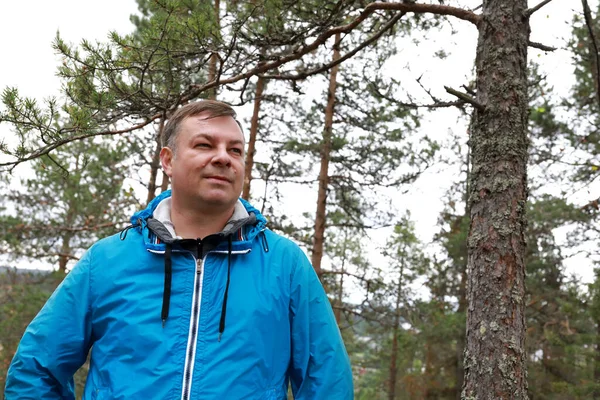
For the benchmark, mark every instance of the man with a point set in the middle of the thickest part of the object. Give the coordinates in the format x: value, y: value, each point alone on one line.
x: 195, y: 300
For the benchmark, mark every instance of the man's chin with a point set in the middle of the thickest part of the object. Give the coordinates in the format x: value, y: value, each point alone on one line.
x: 217, y: 202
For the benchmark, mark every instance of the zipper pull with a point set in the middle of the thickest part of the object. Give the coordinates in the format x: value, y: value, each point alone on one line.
x: 198, y: 267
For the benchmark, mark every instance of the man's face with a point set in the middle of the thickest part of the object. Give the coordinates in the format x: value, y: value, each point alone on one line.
x: 207, y: 168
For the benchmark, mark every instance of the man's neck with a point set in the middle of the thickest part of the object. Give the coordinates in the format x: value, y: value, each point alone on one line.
x: 193, y: 223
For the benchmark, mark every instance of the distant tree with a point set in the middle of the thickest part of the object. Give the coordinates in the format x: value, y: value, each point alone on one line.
x: 75, y: 196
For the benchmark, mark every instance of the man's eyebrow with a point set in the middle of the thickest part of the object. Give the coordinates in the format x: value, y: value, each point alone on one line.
x: 211, y: 136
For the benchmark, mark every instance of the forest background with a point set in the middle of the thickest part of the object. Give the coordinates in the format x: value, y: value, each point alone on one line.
x: 372, y: 181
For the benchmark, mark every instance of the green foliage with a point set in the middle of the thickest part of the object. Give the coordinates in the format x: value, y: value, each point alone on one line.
x: 74, y: 197
x: 22, y: 295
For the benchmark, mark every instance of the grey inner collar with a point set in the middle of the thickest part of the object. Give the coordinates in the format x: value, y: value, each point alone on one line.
x: 162, y: 213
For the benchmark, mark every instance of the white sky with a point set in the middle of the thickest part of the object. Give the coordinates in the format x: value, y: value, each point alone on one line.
x: 27, y: 30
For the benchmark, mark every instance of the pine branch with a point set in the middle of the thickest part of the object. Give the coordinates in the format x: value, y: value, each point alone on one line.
x: 63, y: 169
x: 465, y: 97
x: 297, y: 54
x: 364, y: 316
x: 436, y: 9
x: 195, y: 90
x: 42, y: 151
x: 540, y: 46
x: 359, y: 277
x: 530, y: 11
x: 595, y: 204
x: 389, y: 25
x: 436, y: 102
x: 435, y: 99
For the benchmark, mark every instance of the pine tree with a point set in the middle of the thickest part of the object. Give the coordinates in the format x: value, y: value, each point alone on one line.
x: 75, y: 197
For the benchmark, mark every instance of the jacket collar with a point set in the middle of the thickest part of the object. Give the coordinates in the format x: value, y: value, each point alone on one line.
x: 155, y: 224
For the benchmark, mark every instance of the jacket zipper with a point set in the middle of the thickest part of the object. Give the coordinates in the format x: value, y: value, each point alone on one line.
x: 190, y: 353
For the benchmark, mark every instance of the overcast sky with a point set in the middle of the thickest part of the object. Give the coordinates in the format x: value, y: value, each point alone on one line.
x: 27, y: 29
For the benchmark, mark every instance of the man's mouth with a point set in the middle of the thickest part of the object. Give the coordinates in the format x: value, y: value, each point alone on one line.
x: 219, y: 178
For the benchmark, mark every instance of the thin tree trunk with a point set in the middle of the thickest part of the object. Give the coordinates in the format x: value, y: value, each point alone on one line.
x: 260, y: 85
x: 212, y: 64
x: 597, y: 361
x: 340, y: 297
x: 340, y: 291
x: 65, y: 248
x: 462, y: 291
x: 495, y: 362
x: 155, y: 165
x: 429, y: 391
x: 318, y: 243
x: 395, y: 331
x: 460, y: 340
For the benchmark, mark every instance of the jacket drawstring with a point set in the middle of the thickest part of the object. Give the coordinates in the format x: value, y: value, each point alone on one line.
x: 224, y: 308
x: 123, y: 233
x: 167, y: 288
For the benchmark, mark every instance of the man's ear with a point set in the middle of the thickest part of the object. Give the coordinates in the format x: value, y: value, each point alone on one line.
x: 166, y: 160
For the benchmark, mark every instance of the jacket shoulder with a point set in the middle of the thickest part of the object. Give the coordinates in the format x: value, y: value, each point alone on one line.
x: 278, y: 241
x: 115, y: 247
x: 287, y: 249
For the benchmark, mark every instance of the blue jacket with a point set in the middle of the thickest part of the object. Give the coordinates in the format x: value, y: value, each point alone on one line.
x: 164, y: 323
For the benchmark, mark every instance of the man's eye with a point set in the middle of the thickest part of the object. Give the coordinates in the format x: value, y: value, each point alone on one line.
x: 202, y: 145
x: 238, y: 151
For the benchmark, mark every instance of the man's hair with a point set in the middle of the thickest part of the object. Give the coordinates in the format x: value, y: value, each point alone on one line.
x: 213, y: 108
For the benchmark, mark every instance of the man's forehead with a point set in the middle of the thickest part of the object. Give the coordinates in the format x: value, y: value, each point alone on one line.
x: 203, y: 122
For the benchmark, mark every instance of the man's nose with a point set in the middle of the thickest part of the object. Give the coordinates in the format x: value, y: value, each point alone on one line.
x: 221, y: 156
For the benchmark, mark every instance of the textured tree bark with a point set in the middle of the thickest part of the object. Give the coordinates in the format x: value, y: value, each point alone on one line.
x: 318, y: 241
x: 260, y: 85
x: 495, y: 362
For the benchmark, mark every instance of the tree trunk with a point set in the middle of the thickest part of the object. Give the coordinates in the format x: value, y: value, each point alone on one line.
x: 395, y: 331
x: 318, y: 243
x: 340, y: 297
x: 155, y: 165
x: 462, y: 289
x: 212, y: 64
x: 340, y: 291
x: 72, y: 212
x: 460, y: 339
x: 597, y: 362
x: 260, y: 85
x: 495, y: 363
x: 65, y: 251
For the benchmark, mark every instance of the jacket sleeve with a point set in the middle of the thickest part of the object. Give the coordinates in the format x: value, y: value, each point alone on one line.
x: 320, y: 367
x: 56, y: 342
